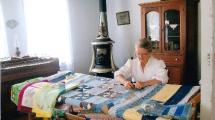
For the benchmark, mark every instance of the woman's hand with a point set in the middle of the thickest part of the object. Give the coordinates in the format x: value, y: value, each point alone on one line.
x: 139, y: 85
x: 153, y: 82
x: 128, y: 85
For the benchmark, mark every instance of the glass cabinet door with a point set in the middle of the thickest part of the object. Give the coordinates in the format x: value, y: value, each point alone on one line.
x: 172, y: 30
x: 153, y: 28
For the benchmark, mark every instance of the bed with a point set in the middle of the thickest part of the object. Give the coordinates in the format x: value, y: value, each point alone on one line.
x: 80, y: 96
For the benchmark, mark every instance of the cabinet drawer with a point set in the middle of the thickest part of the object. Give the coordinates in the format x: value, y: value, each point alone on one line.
x: 171, y: 59
x: 174, y: 74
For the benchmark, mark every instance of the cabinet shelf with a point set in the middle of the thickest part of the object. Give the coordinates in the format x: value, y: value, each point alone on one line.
x: 171, y: 42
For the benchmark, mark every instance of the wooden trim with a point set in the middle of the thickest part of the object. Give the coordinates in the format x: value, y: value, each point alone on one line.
x: 158, y: 2
x: 195, y: 101
x: 74, y: 117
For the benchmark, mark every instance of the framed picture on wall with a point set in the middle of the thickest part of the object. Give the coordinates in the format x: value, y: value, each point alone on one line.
x: 123, y: 18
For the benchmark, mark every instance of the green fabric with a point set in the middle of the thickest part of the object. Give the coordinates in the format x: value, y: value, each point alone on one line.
x: 57, y: 113
x: 45, y: 98
x: 15, y: 89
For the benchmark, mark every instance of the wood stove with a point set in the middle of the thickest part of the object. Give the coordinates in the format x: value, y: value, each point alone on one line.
x: 102, y: 59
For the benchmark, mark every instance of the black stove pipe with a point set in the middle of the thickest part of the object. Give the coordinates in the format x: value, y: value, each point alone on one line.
x: 102, y: 6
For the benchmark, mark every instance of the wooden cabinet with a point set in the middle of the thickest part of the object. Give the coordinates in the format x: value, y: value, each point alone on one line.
x: 165, y: 23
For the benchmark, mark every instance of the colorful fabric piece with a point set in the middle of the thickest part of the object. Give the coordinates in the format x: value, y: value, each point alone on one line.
x: 137, y: 109
x: 99, y: 94
x: 179, y: 95
x: 166, y: 92
x: 61, y: 77
x: 26, y: 95
x: 153, y: 109
x: 45, y: 98
x: 15, y: 89
x: 58, y: 114
x: 194, y: 90
x: 40, y: 96
x: 58, y: 75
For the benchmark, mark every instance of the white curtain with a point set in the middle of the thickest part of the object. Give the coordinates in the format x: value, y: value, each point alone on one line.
x: 3, y: 40
x: 48, y: 30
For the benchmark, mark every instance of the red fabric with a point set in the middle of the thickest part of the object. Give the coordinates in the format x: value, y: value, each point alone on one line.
x: 21, y: 93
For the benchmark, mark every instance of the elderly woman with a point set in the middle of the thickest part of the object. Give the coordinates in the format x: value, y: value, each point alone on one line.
x: 144, y: 70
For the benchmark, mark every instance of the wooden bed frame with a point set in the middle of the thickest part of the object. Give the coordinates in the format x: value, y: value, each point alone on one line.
x: 195, y: 101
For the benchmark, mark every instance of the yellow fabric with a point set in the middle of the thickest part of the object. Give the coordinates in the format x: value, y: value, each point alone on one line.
x: 45, y: 98
x: 41, y: 113
x: 166, y: 92
x: 105, y: 109
x: 161, y: 118
x: 132, y: 114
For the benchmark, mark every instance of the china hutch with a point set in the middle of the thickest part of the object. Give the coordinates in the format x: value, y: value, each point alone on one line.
x: 165, y: 22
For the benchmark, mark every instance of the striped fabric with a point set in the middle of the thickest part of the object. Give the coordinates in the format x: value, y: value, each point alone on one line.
x: 15, y: 89
x: 159, y: 104
x: 179, y: 112
x: 40, y: 96
x: 179, y: 95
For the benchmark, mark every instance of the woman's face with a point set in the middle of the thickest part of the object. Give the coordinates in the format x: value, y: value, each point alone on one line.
x: 142, y: 54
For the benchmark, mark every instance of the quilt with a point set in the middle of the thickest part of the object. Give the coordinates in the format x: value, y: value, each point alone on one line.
x: 108, y: 96
x: 100, y: 94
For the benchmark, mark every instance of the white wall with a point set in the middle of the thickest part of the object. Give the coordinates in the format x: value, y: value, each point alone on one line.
x: 84, y: 16
x: 206, y: 12
x: 213, y: 77
x: 13, y: 9
x: 124, y: 35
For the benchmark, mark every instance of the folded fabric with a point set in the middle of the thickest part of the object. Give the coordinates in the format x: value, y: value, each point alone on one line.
x: 59, y: 77
x: 26, y: 95
x: 15, y: 89
x: 45, y: 98
x: 39, y: 95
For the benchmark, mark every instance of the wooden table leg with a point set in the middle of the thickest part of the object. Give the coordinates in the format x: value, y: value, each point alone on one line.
x: 29, y: 116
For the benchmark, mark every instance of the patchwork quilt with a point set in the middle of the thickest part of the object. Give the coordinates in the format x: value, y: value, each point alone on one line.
x: 99, y: 94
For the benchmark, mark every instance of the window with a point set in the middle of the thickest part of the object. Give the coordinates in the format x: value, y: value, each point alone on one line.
x: 48, y: 29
